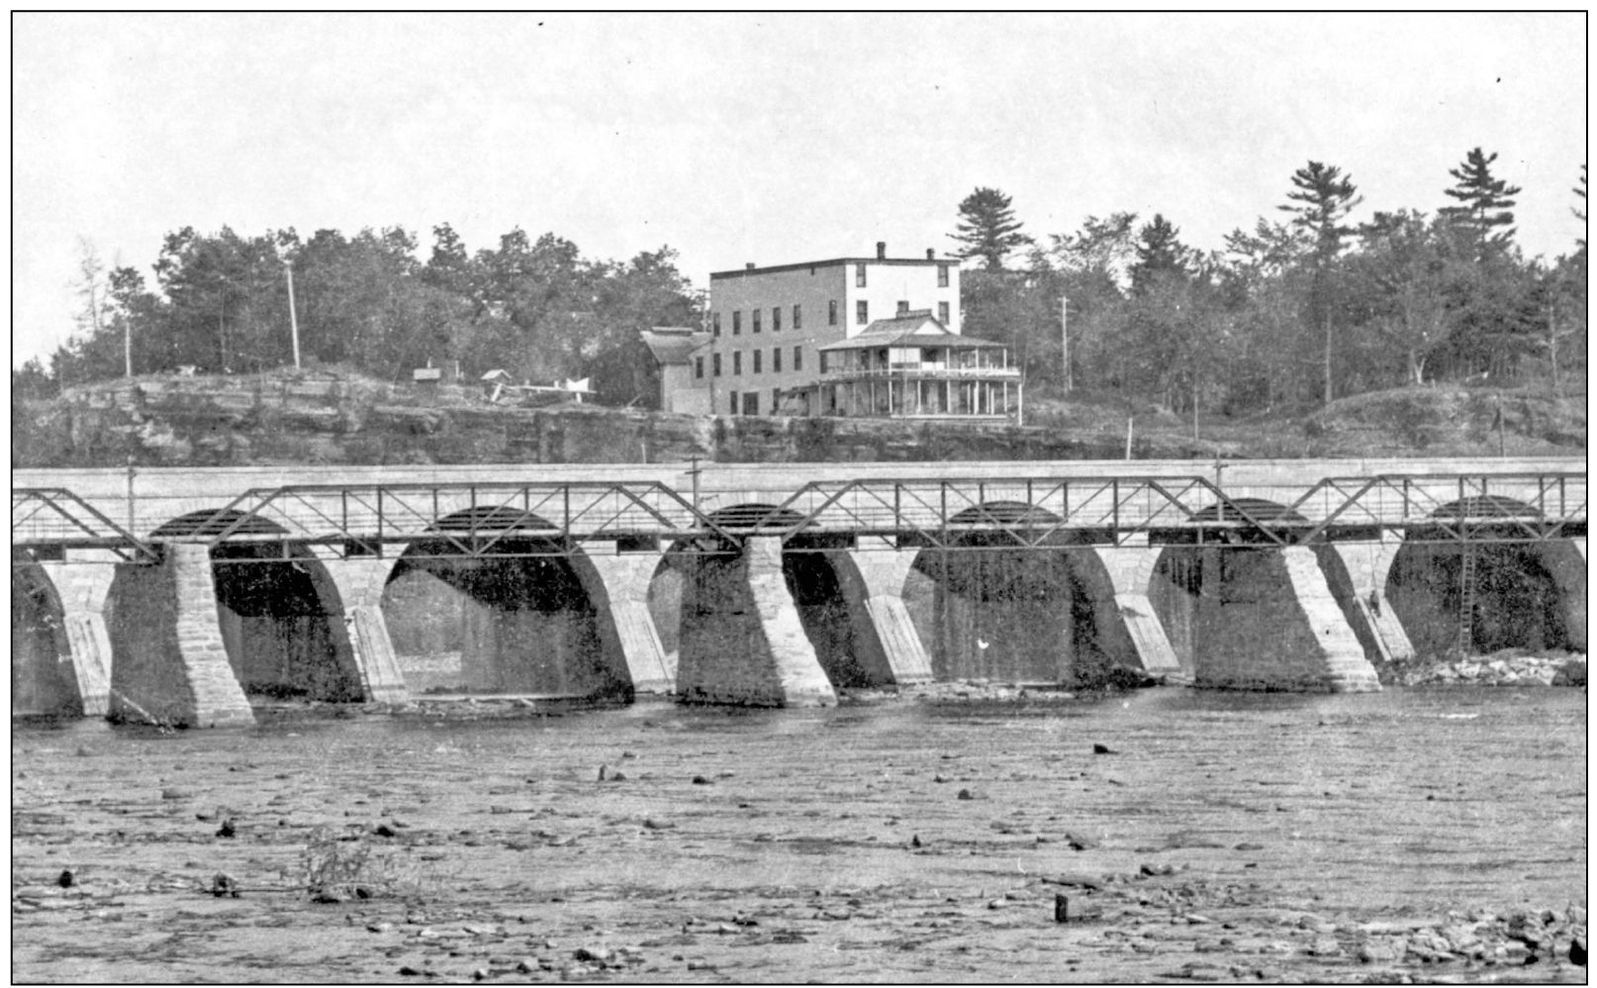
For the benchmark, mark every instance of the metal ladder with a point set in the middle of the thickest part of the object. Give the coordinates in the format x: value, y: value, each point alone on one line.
x: 1466, y: 606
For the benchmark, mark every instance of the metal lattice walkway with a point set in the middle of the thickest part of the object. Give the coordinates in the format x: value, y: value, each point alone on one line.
x: 558, y: 518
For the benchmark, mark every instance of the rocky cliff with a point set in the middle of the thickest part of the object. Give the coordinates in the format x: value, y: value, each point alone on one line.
x: 330, y: 417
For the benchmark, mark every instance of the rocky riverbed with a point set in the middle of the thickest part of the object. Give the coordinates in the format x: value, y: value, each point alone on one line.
x: 1165, y: 835
x: 1509, y: 667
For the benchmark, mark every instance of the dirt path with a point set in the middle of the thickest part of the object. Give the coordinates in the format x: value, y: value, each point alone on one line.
x: 1387, y: 838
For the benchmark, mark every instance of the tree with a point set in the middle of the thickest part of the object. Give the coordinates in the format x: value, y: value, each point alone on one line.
x: 1321, y: 199
x: 1580, y: 210
x: 1485, y: 203
x: 988, y: 228
x: 1160, y: 254
x: 1403, y: 273
x: 89, y: 286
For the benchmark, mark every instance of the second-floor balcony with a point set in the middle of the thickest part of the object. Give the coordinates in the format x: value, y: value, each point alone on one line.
x: 919, y: 371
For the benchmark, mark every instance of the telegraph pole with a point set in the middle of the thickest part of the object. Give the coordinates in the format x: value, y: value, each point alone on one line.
x: 293, y: 320
x: 1064, y: 339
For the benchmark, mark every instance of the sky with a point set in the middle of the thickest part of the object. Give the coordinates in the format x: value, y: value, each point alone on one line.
x: 756, y: 137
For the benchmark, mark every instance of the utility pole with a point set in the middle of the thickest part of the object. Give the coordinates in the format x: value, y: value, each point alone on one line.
x: 293, y: 320
x: 1064, y: 339
x: 127, y: 345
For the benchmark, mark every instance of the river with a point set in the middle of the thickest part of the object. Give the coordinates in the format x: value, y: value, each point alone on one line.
x: 1221, y: 836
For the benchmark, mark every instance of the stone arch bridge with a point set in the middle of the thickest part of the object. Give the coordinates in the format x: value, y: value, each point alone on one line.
x: 187, y: 595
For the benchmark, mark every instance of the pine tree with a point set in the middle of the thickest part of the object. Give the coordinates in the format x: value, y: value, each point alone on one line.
x: 1485, y: 203
x: 988, y: 228
x: 1580, y: 211
x: 1159, y: 253
x: 1321, y: 199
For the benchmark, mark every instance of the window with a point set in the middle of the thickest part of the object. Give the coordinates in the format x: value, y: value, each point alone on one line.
x: 798, y: 318
x: 823, y: 361
x: 798, y: 358
x: 942, y: 276
x: 776, y: 399
x: 776, y: 318
x: 942, y: 313
x: 756, y: 314
x: 715, y: 323
x: 698, y: 366
x: 737, y: 321
x: 733, y: 395
x: 715, y: 364
x: 737, y: 362
x: 757, y: 354
x: 903, y: 307
x: 859, y: 276
x: 751, y: 403
x: 831, y: 312
x: 862, y: 312
x: 776, y: 360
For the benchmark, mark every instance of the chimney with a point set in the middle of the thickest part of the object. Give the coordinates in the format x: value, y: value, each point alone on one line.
x: 748, y: 265
x: 881, y: 250
x: 931, y: 253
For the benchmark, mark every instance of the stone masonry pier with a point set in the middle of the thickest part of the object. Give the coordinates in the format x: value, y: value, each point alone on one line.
x: 892, y: 582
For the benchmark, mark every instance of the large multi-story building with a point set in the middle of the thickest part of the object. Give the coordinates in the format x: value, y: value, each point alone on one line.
x: 775, y: 331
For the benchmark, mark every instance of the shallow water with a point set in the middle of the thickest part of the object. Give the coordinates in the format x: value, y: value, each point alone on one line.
x: 816, y: 844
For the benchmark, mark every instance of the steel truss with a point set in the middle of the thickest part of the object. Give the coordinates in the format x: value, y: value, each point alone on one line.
x: 55, y: 519
x: 516, y: 519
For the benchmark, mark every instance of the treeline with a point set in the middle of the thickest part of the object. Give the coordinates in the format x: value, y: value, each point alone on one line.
x: 220, y: 303
x: 1303, y: 308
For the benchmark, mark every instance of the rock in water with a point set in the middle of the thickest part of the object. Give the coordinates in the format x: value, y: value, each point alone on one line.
x: 226, y: 830
x: 1102, y: 749
x: 66, y: 879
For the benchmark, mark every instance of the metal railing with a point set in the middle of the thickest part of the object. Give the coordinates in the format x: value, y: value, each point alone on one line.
x: 544, y: 518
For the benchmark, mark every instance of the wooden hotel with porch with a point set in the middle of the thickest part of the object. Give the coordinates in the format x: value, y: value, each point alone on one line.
x: 855, y: 336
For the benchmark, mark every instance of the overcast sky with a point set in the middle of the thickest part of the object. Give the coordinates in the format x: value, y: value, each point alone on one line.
x: 754, y: 138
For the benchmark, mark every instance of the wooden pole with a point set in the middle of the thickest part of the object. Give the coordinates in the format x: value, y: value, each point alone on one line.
x: 293, y: 318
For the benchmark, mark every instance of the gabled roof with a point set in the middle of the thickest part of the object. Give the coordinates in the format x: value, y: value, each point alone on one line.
x: 673, y: 344
x: 915, y: 328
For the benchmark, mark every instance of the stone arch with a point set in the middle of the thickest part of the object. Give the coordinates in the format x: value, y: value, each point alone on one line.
x: 278, y: 610
x: 997, y: 605
x: 1244, y: 611
x: 42, y: 678
x: 515, y: 615
x: 1523, y: 594
x: 825, y: 585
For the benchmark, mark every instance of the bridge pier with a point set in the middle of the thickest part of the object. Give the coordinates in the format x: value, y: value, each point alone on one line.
x: 84, y: 589
x: 168, y: 661
x: 1265, y: 619
x: 621, y: 592
x: 742, y: 640
x: 1569, y: 578
x: 360, y: 582
x: 1369, y: 565
x: 886, y: 625
x: 1130, y: 569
